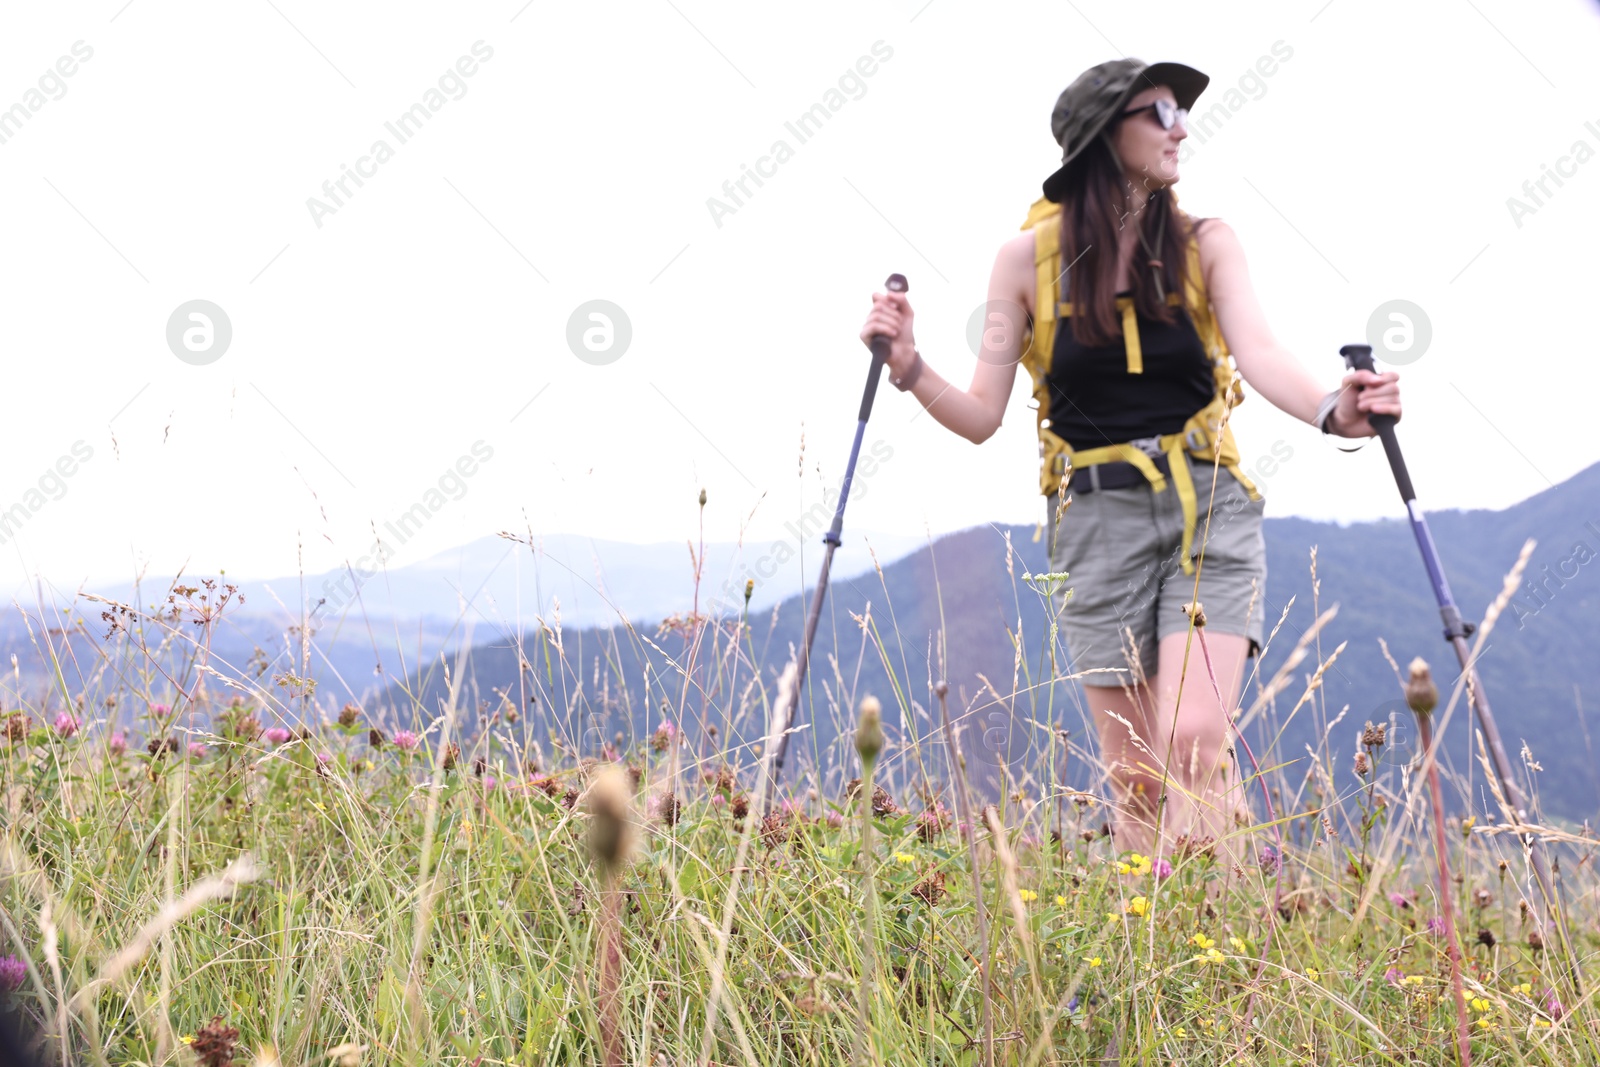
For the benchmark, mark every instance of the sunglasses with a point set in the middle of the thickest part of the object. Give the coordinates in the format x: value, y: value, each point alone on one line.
x: 1167, y: 113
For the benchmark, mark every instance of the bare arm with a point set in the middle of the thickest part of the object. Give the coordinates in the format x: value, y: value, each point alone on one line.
x: 1266, y: 365
x: 975, y: 413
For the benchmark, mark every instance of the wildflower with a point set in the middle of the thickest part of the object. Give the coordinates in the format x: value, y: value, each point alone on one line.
x: 119, y: 744
x: 404, y: 740
x: 1467, y: 824
x: 67, y: 724
x: 1313, y: 974
x: 1421, y: 694
x: 1393, y: 975
x: 1095, y: 961
x: 869, y: 734
x: 1436, y: 926
x: 349, y: 715
x: 904, y: 857
x: 1210, y: 955
x: 1479, y: 1004
x: 160, y: 709
x: 1399, y: 900
x: 277, y: 735
x: 1136, y: 865
x: 12, y: 973
x: 1552, y: 1004
x: 1163, y: 869
x: 1061, y: 901
x: 1525, y: 988
x: 932, y: 822
x: 930, y: 889
x: 1027, y: 895
x: 214, y: 1043
x: 1269, y: 860
x: 662, y: 739
x: 197, y: 750
x: 835, y: 819
x: 1413, y: 979
x: 323, y: 759
x: 1485, y: 1023
x: 1139, y: 906
x: 1202, y: 941
x: 1362, y: 766
x: 1237, y: 943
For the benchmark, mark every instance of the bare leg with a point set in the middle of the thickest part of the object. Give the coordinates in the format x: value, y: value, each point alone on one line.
x: 1131, y: 765
x: 1205, y: 789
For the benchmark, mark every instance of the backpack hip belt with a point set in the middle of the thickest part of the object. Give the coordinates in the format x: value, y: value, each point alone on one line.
x: 1206, y: 435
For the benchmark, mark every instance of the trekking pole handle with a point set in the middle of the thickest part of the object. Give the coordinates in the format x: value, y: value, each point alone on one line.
x: 1359, y: 357
x: 880, y: 351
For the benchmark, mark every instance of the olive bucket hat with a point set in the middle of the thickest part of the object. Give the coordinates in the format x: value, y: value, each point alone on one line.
x: 1099, y: 94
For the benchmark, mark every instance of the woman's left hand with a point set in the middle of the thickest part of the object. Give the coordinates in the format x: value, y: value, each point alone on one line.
x: 1363, y: 393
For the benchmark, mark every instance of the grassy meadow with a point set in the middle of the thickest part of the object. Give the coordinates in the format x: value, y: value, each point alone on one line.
x: 213, y: 863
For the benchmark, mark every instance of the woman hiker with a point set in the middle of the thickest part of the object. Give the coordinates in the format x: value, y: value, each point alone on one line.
x: 1125, y: 309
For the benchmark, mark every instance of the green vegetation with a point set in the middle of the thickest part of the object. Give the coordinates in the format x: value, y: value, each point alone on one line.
x: 206, y: 865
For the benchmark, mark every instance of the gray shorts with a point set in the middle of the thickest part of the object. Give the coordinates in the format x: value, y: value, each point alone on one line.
x: 1120, y: 548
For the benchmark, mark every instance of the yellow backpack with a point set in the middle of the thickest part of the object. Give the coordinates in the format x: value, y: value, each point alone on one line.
x: 1199, y: 435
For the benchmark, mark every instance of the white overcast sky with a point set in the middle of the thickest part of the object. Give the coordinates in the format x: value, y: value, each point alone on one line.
x: 425, y: 314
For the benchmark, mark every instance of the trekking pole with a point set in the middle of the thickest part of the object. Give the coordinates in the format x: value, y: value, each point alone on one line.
x: 880, y: 356
x: 1456, y: 631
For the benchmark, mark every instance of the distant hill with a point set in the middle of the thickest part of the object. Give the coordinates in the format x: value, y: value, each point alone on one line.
x: 597, y: 581
x: 1539, y: 668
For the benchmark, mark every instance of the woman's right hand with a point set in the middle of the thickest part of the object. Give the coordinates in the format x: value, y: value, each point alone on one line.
x: 892, y: 316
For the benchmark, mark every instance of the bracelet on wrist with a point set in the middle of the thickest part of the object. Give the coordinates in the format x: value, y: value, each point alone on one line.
x: 907, y: 380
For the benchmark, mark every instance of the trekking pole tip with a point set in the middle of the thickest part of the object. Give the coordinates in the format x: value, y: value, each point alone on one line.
x: 897, y: 283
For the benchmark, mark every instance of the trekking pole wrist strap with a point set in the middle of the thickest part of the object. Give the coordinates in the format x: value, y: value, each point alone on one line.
x: 1325, y: 411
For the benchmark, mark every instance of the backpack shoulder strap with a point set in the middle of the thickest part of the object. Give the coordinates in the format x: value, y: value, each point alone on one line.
x: 1044, y: 220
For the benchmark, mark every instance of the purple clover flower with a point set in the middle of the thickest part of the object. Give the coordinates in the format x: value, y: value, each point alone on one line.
x: 12, y: 974
x: 405, y: 740
x: 67, y: 724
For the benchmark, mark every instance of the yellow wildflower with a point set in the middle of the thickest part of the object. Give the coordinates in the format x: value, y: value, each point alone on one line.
x: 1413, y: 979
x: 1541, y: 1022
x: 904, y: 857
x: 1027, y: 895
x: 1138, y: 906
x: 1137, y: 865
x: 1479, y: 1004
x: 1525, y: 988
x: 1211, y: 956
x: 1061, y: 901
x: 1095, y: 961
x: 187, y: 1039
x: 1237, y: 943
x: 1313, y: 974
x: 1202, y: 941
x: 1485, y: 1023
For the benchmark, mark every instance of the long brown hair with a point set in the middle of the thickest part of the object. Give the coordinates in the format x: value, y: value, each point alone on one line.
x: 1095, y: 208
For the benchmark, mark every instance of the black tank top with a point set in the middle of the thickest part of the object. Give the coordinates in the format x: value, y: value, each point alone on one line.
x: 1095, y: 401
